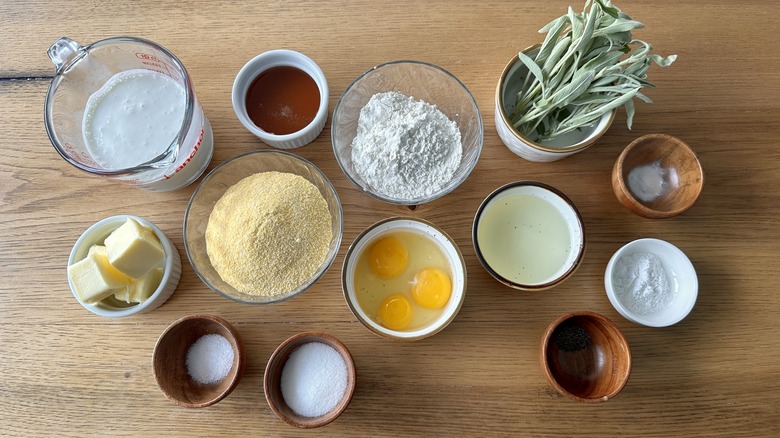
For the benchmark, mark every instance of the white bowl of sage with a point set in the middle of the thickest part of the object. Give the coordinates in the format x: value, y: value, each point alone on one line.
x: 557, y: 98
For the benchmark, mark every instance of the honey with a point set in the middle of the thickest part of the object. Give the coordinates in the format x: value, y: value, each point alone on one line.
x: 282, y: 100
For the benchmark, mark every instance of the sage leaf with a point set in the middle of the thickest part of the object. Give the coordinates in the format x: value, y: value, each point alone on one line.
x: 620, y: 25
x: 550, y: 40
x: 587, y: 33
x: 532, y: 67
x: 608, y: 9
x: 555, y: 55
x: 630, y: 110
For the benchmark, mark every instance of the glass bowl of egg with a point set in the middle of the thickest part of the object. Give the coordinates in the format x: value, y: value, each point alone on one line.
x: 404, y: 279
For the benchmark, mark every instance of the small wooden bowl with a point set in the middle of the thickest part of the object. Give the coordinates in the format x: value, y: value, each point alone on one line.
x: 683, y: 176
x: 273, y: 377
x: 585, y: 357
x: 170, y: 369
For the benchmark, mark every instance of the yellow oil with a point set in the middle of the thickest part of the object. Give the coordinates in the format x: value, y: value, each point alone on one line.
x: 524, y: 238
x: 371, y: 290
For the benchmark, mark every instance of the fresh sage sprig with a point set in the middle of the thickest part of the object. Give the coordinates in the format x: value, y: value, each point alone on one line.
x: 588, y: 65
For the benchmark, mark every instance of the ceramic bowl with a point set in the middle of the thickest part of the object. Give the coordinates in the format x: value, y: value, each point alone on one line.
x: 218, y: 181
x: 170, y: 367
x: 419, y: 80
x: 423, y: 228
x: 261, y: 63
x: 681, y: 277
x: 273, y: 377
x: 111, y: 307
x: 503, y: 238
x: 543, y: 151
x: 585, y: 357
x: 657, y: 176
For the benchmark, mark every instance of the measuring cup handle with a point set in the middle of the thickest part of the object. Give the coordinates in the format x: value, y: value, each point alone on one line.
x: 63, y: 51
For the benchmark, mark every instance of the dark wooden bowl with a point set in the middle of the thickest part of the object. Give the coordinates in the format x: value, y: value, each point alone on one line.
x: 170, y: 369
x: 674, y: 156
x: 273, y: 377
x: 585, y: 357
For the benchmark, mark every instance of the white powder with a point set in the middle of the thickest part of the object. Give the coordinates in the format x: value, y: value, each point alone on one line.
x: 209, y: 359
x: 641, y: 283
x: 650, y: 181
x: 314, y: 379
x: 405, y: 149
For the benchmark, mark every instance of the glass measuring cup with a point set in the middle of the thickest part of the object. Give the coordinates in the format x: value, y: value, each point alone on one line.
x: 83, y: 73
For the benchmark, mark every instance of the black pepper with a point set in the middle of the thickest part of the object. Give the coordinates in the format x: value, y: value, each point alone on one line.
x: 570, y: 337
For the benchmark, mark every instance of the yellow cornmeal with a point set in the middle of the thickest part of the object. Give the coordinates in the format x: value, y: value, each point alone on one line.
x: 269, y: 233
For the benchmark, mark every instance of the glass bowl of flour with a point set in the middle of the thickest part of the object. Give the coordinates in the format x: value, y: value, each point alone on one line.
x: 407, y: 132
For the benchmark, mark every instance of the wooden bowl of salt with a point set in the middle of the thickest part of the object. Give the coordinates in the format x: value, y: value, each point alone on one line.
x: 198, y: 360
x: 657, y: 176
x: 585, y: 357
x: 309, y: 380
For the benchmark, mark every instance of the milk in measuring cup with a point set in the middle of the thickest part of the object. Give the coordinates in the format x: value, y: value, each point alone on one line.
x: 133, y: 118
x: 124, y: 108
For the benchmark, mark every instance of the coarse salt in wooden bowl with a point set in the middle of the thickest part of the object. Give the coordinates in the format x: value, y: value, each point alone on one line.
x: 272, y: 381
x: 657, y: 176
x: 170, y: 367
x: 585, y: 357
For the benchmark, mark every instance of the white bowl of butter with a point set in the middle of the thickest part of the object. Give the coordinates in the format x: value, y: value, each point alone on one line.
x: 123, y: 265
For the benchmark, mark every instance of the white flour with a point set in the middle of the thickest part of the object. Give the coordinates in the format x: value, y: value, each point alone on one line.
x: 405, y: 149
x: 641, y: 283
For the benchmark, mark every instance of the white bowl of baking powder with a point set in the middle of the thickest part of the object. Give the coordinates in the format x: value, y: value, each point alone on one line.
x: 651, y: 282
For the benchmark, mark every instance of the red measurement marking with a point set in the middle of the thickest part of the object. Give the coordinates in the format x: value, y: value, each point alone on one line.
x: 192, y: 154
x: 147, y: 56
x: 79, y: 155
x: 156, y: 62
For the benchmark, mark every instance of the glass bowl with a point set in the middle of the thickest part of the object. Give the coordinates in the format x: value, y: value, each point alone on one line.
x: 419, y: 80
x: 214, y: 185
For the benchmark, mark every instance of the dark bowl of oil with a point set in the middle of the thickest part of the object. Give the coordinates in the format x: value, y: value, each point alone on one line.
x: 585, y: 357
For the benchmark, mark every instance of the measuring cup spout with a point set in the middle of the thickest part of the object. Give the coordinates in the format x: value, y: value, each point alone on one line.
x: 62, y: 51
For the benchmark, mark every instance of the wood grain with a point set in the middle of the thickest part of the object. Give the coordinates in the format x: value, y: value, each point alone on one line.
x: 66, y: 372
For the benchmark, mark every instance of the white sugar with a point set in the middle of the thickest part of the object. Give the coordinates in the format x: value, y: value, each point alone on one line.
x: 209, y: 359
x: 650, y: 181
x: 314, y: 379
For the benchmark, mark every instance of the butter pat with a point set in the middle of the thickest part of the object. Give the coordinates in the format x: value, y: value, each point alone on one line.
x: 140, y: 290
x: 94, y: 278
x: 134, y: 249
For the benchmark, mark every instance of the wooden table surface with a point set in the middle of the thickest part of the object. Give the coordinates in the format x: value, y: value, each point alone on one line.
x: 67, y: 372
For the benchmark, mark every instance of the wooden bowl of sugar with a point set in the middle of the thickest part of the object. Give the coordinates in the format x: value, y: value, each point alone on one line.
x: 657, y: 176
x: 198, y: 360
x: 309, y: 380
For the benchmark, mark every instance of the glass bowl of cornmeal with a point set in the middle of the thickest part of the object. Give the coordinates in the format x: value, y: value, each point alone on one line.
x: 262, y: 227
x: 407, y: 132
x: 404, y: 279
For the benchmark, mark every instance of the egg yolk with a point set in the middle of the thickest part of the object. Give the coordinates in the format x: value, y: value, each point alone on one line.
x: 431, y: 288
x: 388, y: 257
x: 395, y: 312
